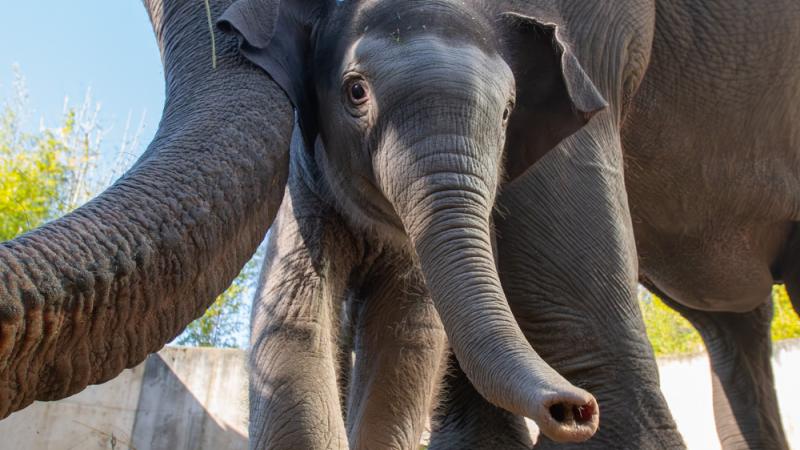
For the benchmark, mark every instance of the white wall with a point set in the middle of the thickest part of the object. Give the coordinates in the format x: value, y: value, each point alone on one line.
x: 92, y: 419
x: 686, y: 383
x: 178, y: 399
x: 197, y: 399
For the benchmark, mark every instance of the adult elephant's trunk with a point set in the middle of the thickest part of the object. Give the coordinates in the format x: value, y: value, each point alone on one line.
x: 94, y: 292
x: 446, y: 213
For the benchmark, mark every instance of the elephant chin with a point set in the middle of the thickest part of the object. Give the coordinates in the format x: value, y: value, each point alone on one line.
x: 451, y: 238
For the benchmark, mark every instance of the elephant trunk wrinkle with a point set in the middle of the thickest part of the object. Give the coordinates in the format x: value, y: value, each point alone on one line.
x: 450, y: 233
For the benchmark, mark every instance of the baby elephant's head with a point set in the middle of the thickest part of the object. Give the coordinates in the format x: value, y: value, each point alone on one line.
x: 416, y: 110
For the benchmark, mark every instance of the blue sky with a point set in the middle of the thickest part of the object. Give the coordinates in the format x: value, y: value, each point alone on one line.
x: 63, y: 48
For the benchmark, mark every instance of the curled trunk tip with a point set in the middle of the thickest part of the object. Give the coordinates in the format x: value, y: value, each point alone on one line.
x: 570, y: 416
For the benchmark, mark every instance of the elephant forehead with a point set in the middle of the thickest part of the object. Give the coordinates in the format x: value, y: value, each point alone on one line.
x: 455, y: 21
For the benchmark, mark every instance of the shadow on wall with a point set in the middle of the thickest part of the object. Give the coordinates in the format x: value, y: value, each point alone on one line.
x: 170, y: 416
x: 178, y: 399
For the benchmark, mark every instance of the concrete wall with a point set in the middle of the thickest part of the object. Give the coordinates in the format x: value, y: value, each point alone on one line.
x: 178, y: 399
x: 197, y: 399
x: 193, y: 399
x: 686, y: 383
x: 94, y: 419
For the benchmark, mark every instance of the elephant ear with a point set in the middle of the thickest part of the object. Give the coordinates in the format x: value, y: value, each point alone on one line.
x: 555, y: 96
x: 276, y: 36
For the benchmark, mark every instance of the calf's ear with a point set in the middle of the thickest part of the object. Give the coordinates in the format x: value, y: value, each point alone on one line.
x: 276, y: 36
x: 555, y: 96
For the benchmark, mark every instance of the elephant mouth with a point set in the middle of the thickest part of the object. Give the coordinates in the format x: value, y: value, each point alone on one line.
x: 369, y: 209
x: 376, y: 204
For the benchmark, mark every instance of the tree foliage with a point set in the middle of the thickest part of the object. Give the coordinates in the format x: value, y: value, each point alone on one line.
x: 34, y: 172
x: 44, y: 173
x: 671, y: 334
x: 785, y: 323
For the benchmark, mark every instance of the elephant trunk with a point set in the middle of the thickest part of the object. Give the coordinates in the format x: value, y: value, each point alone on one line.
x: 94, y: 292
x: 448, y: 223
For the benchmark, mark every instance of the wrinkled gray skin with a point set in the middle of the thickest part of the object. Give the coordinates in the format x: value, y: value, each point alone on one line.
x: 711, y: 166
x: 94, y: 292
x: 389, y: 204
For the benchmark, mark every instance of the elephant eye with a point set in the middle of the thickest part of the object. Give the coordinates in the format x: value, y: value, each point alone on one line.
x: 357, y: 92
x: 507, y: 111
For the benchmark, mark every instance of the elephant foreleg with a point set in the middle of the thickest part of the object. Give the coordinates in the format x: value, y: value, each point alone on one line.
x: 568, y: 265
x: 400, y: 348
x: 740, y: 349
x: 294, y: 394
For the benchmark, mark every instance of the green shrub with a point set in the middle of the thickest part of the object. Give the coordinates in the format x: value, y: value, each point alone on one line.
x: 785, y: 322
x: 671, y: 334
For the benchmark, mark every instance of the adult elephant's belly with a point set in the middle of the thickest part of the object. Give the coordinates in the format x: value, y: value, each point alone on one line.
x: 721, y: 266
x: 712, y: 207
x: 712, y: 213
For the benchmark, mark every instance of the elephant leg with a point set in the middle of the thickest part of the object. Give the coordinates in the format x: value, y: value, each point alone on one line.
x: 294, y: 393
x: 568, y: 263
x: 464, y: 419
x: 400, y: 348
x: 740, y: 349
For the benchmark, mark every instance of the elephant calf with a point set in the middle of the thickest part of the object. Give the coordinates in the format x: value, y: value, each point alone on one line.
x: 403, y: 109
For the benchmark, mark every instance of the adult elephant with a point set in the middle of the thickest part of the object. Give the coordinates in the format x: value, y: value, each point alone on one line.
x: 94, y: 292
x: 711, y: 169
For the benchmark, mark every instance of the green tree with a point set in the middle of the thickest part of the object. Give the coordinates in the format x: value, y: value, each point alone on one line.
x: 33, y: 171
x: 785, y: 322
x: 671, y: 334
x: 44, y: 173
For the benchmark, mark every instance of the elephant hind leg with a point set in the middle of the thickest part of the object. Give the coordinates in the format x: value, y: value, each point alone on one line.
x: 740, y: 349
x: 400, y: 347
x: 464, y: 419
